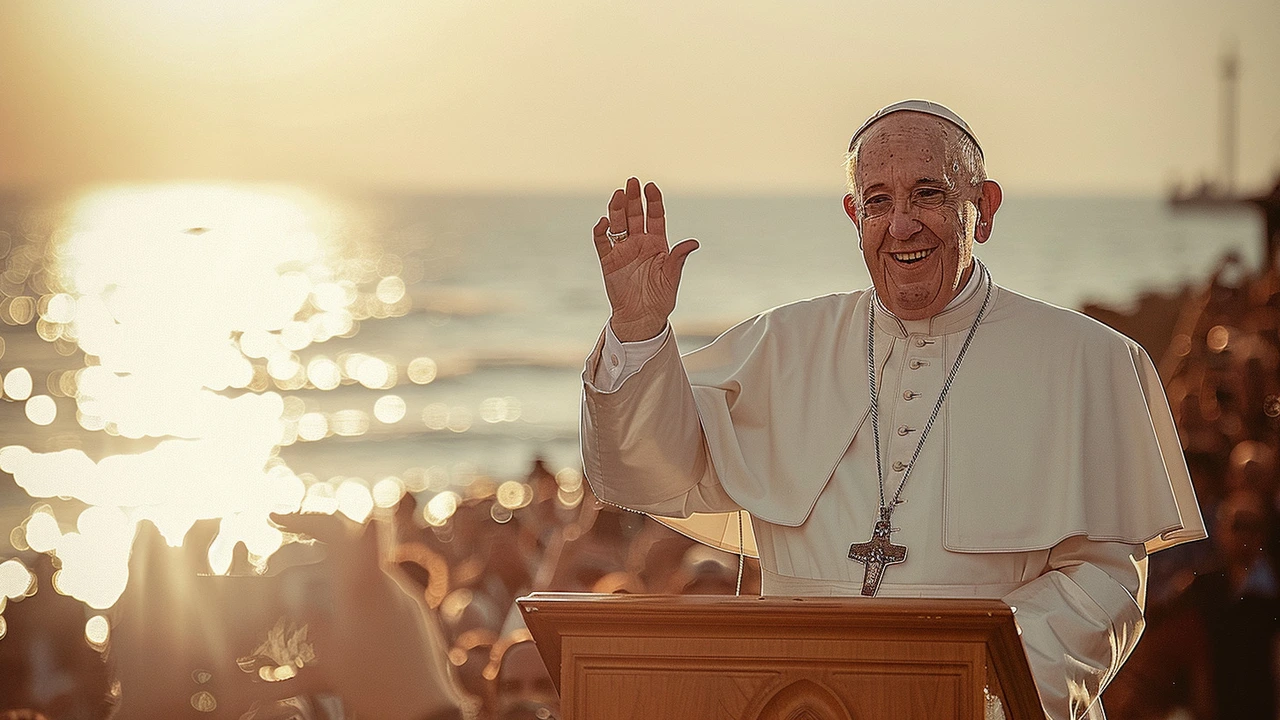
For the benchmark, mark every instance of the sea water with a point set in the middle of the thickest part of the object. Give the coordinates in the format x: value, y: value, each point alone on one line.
x: 509, y: 299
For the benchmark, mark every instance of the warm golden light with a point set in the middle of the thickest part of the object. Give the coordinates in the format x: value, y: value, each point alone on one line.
x: 389, y: 409
x: 349, y: 423
x: 459, y: 419
x: 320, y: 498
x: 15, y: 579
x: 313, y: 426
x: 42, y: 533
x: 97, y: 631
x: 436, y: 416
x: 372, y: 372
x: 500, y: 409
x: 388, y: 491
x: 1217, y: 338
x: 514, y: 495
x: 390, y: 290
x: 177, y: 295
x: 324, y: 373
x: 569, y: 480
x: 18, y: 384
x: 354, y: 500
x: 41, y: 410
x: 440, y: 508
x: 422, y: 370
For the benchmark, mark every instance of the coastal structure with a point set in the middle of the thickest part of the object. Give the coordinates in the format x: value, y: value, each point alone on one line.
x: 1222, y: 193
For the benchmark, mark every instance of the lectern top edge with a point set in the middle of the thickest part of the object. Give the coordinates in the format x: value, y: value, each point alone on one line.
x: 681, y: 638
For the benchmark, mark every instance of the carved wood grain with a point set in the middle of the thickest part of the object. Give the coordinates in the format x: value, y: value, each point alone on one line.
x: 649, y: 657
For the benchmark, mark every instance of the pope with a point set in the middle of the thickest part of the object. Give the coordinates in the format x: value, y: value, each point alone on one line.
x: 935, y: 435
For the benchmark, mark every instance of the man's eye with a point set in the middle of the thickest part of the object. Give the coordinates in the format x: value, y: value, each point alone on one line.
x: 929, y: 195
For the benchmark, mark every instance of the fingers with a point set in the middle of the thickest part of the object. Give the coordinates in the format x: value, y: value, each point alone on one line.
x: 600, y: 239
x: 635, y: 208
x: 675, y: 261
x: 656, y: 215
x: 322, y: 527
x: 618, y: 211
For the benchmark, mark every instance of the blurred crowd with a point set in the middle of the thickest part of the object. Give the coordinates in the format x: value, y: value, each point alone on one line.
x: 1213, y: 608
x: 406, y: 617
x: 414, y: 615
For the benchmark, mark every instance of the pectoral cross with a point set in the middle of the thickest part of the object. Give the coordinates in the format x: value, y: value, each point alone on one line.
x: 876, y: 553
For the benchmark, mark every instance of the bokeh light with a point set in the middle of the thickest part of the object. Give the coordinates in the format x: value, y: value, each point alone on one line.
x: 60, y: 308
x: 388, y: 491
x: 313, y: 426
x: 349, y: 423
x: 1217, y: 338
x: 440, y: 508
x: 42, y: 532
x: 324, y: 373
x: 15, y: 579
x: 97, y: 631
x: 459, y: 419
x: 514, y: 495
x: 422, y: 370
x: 390, y: 290
x: 389, y: 409
x: 500, y: 409
x: 175, y: 295
x: 354, y: 500
x: 17, y: 384
x: 435, y: 416
x: 41, y: 410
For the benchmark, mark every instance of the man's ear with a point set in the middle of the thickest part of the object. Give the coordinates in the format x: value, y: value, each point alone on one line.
x: 988, y: 204
x: 851, y: 209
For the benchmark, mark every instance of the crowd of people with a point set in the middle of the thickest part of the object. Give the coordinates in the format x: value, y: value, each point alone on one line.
x: 1213, y: 608
x: 287, y: 644
x: 313, y: 640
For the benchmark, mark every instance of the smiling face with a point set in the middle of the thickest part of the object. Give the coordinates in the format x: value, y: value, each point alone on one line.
x: 916, y: 206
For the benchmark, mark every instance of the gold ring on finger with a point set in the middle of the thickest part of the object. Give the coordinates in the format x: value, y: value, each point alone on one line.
x: 615, y: 237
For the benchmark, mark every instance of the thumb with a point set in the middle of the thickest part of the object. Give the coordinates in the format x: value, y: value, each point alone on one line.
x: 677, y: 256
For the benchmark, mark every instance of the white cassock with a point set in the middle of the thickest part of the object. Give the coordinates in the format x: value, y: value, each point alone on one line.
x: 1052, y: 469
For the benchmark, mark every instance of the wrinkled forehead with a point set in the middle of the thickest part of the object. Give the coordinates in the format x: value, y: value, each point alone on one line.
x: 904, y: 141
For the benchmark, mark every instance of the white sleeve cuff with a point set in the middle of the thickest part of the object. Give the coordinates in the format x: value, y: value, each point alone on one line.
x: 620, y: 360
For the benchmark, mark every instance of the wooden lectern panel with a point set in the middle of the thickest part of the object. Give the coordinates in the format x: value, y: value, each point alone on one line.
x: 618, y: 656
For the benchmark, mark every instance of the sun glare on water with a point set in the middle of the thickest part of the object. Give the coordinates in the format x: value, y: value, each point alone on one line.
x: 189, y: 303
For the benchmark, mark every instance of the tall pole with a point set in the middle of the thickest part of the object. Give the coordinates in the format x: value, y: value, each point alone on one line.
x: 1230, y: 77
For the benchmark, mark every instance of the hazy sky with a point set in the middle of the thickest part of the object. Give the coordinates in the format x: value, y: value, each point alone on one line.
x: 571, y: 95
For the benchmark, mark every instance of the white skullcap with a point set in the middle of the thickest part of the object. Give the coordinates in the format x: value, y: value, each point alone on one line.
x: 920, y: 106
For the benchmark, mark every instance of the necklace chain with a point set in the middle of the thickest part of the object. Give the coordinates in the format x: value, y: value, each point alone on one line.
x: 887, y: 510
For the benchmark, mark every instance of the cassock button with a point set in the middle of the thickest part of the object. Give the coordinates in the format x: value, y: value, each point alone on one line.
x: 920, y: 342
x: 908, y: 395
x: 917, y: 363
x: 904, y: 430
x: 899, y: 466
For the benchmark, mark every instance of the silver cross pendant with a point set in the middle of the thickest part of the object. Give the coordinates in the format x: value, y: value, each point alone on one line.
x: 876, y: 553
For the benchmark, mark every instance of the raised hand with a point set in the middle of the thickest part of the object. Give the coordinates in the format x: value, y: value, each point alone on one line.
x: 641, y: 272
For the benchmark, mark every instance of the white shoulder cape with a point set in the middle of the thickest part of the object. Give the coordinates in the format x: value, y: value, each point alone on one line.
x: 1055, y: 426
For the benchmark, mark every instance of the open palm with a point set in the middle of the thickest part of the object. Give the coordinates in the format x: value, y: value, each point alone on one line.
x: 641, y: 272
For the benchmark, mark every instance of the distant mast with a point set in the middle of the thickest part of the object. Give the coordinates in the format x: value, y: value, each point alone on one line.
x: 1221, y: 192
x: 1230, y: 80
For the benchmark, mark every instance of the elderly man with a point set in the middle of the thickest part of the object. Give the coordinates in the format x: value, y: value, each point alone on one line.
x: 936, y: 435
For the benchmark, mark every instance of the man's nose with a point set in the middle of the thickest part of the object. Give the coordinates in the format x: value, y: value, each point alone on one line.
x: 903, y: 223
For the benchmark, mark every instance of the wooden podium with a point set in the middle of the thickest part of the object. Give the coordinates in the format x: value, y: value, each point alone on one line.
x: 737, y: 658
